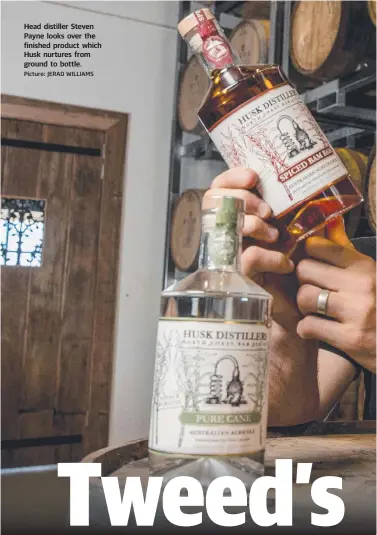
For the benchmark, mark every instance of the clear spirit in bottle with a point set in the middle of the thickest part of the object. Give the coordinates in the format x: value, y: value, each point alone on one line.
x: 209, y: 407
x: 257, y: 120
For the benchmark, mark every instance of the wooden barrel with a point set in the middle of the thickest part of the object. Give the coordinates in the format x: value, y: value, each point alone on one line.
x: 372, y: 10
x: 356, y: 164
x: 329, y: 38
x: 253, y: 9
x: 323, y: 443
x: 344, y: 449
x: 193, y: 88
x: 186, y: 229
x: 250, y: 41
x: 347, y: 450
x: 370, y: 190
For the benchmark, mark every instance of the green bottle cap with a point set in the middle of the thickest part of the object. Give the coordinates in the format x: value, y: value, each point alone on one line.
x: 226, y: 216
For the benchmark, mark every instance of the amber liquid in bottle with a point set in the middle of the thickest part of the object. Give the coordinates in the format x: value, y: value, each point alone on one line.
x: 234, y: 86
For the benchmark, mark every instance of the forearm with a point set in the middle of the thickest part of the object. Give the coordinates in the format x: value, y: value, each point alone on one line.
x: 305, y: 388
x: 294, y: 396
x: 335, y: 374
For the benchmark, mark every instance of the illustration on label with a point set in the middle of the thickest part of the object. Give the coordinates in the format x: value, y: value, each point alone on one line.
x: 277, y: 136
x: 234, y: 387
x: 210, y: 388
x: 295, y: 138
x: 216, y: 51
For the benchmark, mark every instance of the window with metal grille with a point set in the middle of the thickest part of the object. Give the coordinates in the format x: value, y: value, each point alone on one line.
x: 22, y: 231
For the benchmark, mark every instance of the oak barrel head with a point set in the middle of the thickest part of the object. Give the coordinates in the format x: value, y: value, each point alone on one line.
x: 193, y: 88
x: 186, y: 229
x: 250, y: 41
x: 329, y: 38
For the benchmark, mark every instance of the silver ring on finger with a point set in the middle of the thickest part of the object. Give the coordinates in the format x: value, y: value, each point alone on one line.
x: 322, y: 302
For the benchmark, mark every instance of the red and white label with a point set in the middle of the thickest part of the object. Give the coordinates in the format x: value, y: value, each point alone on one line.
x: 276, y: 135
x: 215, y: 49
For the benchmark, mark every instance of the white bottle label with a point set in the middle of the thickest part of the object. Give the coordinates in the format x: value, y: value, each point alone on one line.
x: 276, y: 135
x: 210, y: 388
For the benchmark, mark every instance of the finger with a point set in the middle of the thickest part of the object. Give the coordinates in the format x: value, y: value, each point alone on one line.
x: 307, y: 301
x: 330, y: 252
x: 253, y: 204
x: 258, y: 260
x: 336, y: 232
x: 237, y: 177
x: 255, y: 227
x: 324, y: 330
x: 322, y: 275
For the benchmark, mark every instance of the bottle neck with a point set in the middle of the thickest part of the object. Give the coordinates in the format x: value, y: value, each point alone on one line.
x: 211, y: 46
x: 221, y: 246
x: 213, y: 69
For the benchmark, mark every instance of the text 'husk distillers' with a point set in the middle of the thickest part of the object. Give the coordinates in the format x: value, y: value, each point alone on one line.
x: 257, y: 120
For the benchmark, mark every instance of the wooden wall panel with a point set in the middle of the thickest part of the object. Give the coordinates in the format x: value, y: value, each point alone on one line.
x: 97, y: 431
x: 69, y: 424
x: 4, y: 132
x: 20, y: 172
x: 80, y: 282
x: 106, y: 288
x: 42, y: 353
x: 46, y: 289
x: 13, y: 324
x: 34, y: 425
x: 115, y: 153
x: 21, y: 165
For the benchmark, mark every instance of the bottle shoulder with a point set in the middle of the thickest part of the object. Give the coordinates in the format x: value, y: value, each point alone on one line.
x: 236, y: 85
x: 216, y: 282
x: 231, y: 78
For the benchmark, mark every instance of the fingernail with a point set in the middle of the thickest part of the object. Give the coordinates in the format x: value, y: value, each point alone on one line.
x: 291, y: 264
x: 273, y: 233
x: 264, y: 209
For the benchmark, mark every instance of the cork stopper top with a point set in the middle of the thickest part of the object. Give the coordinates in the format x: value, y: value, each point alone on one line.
x: 192, y: 20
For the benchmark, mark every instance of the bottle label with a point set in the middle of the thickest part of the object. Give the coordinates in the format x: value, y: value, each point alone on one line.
x: 214, y: 47
x: 210, y: 388
x: 216, y: 51
x: 276, y: 135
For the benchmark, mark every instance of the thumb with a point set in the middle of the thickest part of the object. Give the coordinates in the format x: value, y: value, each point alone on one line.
x: 336, y: 232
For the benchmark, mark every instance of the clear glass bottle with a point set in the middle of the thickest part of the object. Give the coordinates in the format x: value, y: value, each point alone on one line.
x: 257, y: 120
x: 209, y: 407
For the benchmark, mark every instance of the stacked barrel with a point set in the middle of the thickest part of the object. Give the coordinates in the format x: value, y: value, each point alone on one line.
x: 330, y: 39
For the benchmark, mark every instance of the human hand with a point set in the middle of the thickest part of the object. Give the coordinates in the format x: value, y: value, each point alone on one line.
x: 350, y: 323
x: 293, y: 392
x: 259, y: 261
x: 238, y: 182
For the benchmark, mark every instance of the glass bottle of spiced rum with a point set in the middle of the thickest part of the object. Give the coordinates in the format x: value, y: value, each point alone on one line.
x: 257, y: 120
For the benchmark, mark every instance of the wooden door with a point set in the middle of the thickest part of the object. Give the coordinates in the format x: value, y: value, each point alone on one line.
x: 58, y: 318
